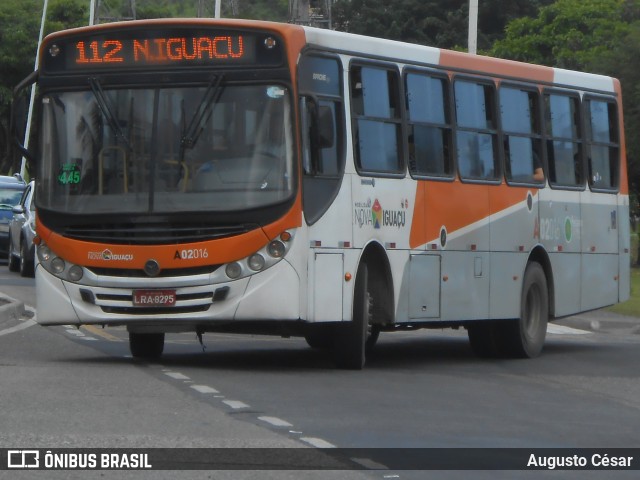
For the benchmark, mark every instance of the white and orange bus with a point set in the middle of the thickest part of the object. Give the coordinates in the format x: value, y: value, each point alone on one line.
x: 244, y: 176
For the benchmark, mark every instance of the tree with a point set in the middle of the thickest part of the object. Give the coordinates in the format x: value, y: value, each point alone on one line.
x: 438, y: 23
x: 19, y: 30
x: 570, y: 34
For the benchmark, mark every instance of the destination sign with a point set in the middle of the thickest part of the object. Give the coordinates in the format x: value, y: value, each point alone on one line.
x: 161, y: 48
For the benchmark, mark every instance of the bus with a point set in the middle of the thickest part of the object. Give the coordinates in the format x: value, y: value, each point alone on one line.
x: 200, y: 175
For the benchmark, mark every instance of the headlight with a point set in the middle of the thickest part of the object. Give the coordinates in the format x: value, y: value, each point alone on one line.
x: 57, y: 265
x: 266, y: 257
x: 276, y: 249
x: 233, y: 270
x: 44, y: 254
x: 256, y: 262
x: 75, y: 273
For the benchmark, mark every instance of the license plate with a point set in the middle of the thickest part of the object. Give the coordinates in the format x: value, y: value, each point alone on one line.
x: 154, y: 298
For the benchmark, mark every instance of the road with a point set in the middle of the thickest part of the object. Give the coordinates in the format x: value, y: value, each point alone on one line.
x: 62, y: 387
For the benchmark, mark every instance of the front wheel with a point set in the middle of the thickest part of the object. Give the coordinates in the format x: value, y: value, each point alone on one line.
x: 146, y: 345
x: 350, y: 341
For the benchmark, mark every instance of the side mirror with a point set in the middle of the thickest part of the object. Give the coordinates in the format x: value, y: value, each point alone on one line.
x: 318, y: 131
x: 17, y: 210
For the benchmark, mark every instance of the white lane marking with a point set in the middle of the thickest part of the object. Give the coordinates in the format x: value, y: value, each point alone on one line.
x: 317, y: 442
x: 204, y: 389
x: 235, y: 404
x: 177, y: 375
x: 562, y: 330
x: 17, y: 328
x: 275, y: 421
x: 75, y: 333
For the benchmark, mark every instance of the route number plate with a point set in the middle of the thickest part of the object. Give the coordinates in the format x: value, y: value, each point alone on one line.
x: 154, y: 298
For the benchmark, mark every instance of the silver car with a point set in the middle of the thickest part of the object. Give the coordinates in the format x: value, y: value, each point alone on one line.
x: 21, y: 232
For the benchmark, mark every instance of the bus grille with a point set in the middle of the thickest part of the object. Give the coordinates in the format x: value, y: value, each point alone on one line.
x: 153, y: 234
x: 172, y: 272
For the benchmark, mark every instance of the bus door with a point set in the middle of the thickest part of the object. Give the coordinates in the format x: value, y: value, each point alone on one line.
x: 325, y: 199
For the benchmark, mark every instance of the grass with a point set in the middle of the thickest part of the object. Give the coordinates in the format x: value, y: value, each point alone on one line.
x: 632, y: 306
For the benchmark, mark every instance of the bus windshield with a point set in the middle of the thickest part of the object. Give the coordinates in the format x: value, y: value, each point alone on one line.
x: 166, y: 150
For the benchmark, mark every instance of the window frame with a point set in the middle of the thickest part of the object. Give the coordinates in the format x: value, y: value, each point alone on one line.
x: 399, y: 120
x: 539, y: 136
x: 549, y: 137
x: 589, y: 142
x: 449, y: 125
x: 495, y: 132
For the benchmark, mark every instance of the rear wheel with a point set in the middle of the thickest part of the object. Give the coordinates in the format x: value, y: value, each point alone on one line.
x: 519, y: 338
x: 350, y: 339
x: 525, y: 338
x: 146, y: 345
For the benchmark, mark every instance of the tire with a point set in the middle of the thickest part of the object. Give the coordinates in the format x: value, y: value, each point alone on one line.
x: 14, y: 263
x: 26, y: 261
x: 525, y: 337
x: 146, y: 345
x: 350, y: 339
x: 519, y: 338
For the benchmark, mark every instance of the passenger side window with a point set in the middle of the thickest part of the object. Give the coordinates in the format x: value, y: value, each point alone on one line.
x: 476, y: 135
x: 376, y: 119
x: 603, y: 144
x: 522, y: 141
x: 564, y: 144
x: 429, y: 133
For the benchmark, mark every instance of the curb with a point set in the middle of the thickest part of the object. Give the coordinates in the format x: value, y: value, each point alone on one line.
x: 11, y: 310
x: 602, y: 321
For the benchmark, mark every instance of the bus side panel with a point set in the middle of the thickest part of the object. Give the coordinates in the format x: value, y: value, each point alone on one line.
x: 465, y: 285
x: 566, y: 279
x: 513, y: 235
x: 600, y: 263
x: 560, y: 233
x: 326, y: 293
x: 507, y: 270
x: 599, y: 281
x: 459, y: 214
x: 424, y: 286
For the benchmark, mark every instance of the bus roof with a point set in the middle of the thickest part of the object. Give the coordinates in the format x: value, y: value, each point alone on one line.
x: 458, y: 61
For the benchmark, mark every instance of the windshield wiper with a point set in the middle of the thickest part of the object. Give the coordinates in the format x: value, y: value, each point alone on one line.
x: 192, y: 133
x: 106, y: 110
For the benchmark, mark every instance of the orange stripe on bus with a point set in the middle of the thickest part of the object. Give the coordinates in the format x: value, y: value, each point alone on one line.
x: 495, y: 66
x: 456, y: 205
